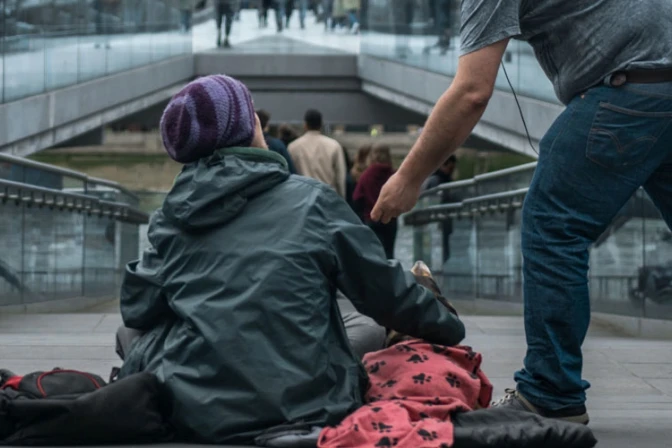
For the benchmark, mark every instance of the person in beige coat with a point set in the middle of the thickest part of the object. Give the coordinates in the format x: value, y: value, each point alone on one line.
x: 317, y: 156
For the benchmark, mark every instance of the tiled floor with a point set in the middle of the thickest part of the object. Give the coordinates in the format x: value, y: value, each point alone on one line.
x: 630, y: 402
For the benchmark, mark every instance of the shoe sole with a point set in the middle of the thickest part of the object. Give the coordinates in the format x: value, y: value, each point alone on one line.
x: 581, y: 419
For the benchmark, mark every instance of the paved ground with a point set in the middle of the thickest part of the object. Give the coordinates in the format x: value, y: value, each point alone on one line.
x: 630, y: 401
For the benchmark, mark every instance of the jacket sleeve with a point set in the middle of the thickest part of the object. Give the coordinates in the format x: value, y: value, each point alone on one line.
x: 381, y: 288
x: 143, y: 303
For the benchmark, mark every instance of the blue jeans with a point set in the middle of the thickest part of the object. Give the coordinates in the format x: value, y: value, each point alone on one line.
x: 601, y: 149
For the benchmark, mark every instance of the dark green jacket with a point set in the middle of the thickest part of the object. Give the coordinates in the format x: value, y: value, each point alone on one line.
x: 238, y: 298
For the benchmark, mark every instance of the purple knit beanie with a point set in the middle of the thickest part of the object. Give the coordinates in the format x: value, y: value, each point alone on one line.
x: 209, y: 113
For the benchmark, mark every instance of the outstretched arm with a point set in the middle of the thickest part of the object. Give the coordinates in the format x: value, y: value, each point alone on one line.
x: 381, y: 288
x: 454, y: 117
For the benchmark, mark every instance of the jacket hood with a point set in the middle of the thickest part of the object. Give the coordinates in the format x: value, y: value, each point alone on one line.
x: 216, y: 189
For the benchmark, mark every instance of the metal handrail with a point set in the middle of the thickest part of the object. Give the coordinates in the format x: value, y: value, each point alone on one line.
x: 448, y: 186
x: 42, y: 166
x: 506, y: 171
x: 478, y: 179
x: 45, y: 197
x: 112, y: 184
x: 21, y: 161
x: 508, y: 200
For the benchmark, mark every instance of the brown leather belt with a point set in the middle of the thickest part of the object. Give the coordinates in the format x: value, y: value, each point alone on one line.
x: 640, y: 77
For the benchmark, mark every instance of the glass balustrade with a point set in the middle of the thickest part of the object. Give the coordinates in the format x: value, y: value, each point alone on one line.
x: 64, y: 235
x: 46, y: 45
x: 477, y: 252
x: 426, y: 34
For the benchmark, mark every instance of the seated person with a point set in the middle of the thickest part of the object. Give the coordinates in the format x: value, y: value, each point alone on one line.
x: 236, y: 299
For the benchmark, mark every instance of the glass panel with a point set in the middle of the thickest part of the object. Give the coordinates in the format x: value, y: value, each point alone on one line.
x: 459, y: 269
x: 11, y: 257
x: 654, y: 285
x: 499, y: 256
x: 24, y: 69
x: 403, y: 246
x: 615, y: 259
x: 99, y: 257
x: 61, y: 57
x: 39, y: 255
x: 425, y: 34
x: 69, y: 245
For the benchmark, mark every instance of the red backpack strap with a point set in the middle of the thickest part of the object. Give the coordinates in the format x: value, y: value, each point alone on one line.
x: 12, y: 383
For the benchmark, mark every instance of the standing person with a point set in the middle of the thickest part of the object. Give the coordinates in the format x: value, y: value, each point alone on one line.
x: 303, y: 11
x: 279, y: 6
x: 264, y: 6
x: 318, y: 156
x: 352, y: 7
x: 442, y: 176
x: 613, y: 137
x: 361, y: 162
x: 287, y: 134
x: 102, y: 28
x: 338, y: 14
x: 367, y: 191
x: 186, y: 11
x: 327, y: 13
x: 275, y: 144
x: 225, y: 11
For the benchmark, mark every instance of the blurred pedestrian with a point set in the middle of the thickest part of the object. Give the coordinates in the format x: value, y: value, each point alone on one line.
x: 367, y: 191
x: 361, y: 162
x: 274, y: 144
x: 225, y: 10
x: 318, y: 156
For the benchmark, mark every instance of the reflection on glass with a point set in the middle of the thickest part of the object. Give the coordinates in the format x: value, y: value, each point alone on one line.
x: 459, y: 267
x: 52, y: 253
x: 48, y: 45
x: 425, y: 33
x: 11, y: 257
x: 654, y: 277
x: 630, y: 263
x: 99, y: 257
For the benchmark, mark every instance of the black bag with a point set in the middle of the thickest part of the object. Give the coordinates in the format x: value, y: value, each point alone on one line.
x: 67, y: 407
x: 59, y: 383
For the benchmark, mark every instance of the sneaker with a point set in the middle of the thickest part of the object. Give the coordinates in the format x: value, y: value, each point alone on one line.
x: 226, y: 43
x: 515, y: 400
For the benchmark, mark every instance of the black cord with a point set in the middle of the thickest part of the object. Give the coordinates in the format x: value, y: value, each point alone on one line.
x: 520, y: 109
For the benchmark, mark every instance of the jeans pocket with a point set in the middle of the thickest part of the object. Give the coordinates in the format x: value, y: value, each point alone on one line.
x: 621, y: 138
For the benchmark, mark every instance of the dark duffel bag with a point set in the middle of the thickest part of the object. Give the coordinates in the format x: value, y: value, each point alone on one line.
x: 69, y: 407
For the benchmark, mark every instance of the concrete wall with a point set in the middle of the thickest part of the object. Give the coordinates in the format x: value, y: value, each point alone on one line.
x: 42, y: 121
x: 501, y: 123
x: 348, y: 88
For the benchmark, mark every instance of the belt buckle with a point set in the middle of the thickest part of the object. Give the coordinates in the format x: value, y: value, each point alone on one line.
x: 618, y: 79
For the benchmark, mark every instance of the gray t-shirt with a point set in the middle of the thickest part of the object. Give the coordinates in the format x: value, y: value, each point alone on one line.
x: 577, y: 42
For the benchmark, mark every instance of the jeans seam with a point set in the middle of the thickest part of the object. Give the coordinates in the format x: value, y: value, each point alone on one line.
x: 633, y: 113
x: 630, y: 88
x: 562, y: 131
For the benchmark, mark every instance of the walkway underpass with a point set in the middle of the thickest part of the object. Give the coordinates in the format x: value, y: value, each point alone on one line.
x: 65, y: 237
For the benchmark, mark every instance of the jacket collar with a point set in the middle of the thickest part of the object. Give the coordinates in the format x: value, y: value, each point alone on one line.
x: 259, y: 154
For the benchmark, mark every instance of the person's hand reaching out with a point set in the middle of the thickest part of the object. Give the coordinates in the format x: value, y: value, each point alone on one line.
x: 398, y: 196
